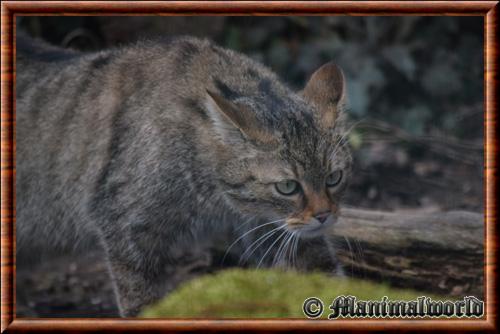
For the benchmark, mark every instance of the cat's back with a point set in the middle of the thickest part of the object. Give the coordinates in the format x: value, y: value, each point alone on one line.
x: 55, y: 89
x: 85, y: 120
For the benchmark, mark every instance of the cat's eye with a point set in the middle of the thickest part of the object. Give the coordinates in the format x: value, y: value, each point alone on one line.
x: 334, y: 178
x: 287, y: 187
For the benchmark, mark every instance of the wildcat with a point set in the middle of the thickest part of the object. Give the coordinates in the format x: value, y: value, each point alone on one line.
x: 155, y: 147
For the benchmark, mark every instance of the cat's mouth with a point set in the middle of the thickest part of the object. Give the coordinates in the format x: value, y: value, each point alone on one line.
x: 313, y: 227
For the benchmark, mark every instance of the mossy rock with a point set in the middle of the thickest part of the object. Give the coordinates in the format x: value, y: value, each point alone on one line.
x: 239, y: 293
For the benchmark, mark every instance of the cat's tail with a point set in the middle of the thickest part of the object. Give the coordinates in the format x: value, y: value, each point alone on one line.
x: 29, y: 49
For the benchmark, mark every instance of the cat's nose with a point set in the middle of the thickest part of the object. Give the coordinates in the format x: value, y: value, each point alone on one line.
x: 322, y: 217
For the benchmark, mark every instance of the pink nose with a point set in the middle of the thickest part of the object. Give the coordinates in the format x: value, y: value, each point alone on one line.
x: 322, y: 217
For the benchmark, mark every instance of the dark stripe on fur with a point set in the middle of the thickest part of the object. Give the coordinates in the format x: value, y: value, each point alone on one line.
x: 252, y: 74
x: 65, y: 121
x: 238, y: 185
x: 194, y: 105
x: 105, y: 188
x: 226, y: 92
x: 101, y: 61
x: 272, y: 100
x: 221, y: 54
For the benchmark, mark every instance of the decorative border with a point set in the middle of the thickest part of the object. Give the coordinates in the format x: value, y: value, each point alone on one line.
x: 9, y: 9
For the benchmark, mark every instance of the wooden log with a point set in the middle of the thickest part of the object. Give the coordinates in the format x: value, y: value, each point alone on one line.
x: 440, y: 252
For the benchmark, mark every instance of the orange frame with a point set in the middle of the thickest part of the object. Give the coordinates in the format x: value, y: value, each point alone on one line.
x: 487, y: 9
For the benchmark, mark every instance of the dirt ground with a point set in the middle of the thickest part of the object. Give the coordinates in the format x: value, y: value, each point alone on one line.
x: 66, y: 286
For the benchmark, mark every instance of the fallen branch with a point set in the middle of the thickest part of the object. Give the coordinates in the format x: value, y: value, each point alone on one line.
x: 440, y: 252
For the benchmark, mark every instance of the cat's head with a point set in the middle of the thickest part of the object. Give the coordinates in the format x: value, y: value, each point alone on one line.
x: 285, y: 156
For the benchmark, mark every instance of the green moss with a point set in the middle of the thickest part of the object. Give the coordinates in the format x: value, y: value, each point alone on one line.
x: 264, y: 293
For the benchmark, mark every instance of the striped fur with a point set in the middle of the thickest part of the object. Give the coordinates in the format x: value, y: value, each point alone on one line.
x: 130, y: 149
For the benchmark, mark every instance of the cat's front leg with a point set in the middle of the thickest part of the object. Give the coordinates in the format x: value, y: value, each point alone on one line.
x: 134, y: 288
x: 317, y: 253
x: 139, y: 271
x: 146, y: 263
x: 136, y: 283
x: 278, y: 248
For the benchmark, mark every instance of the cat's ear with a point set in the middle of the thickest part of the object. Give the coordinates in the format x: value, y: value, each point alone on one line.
x: 229, y: 118
x: 326, y: 90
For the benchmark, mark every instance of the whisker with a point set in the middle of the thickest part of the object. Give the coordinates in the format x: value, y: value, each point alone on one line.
x: 278, y: 252
x: 262, y: 239
x: 359, y: 248
x: 246, y: 233
x: 281, y: 250
x: 291, y: 249
x: 361, y: 254
x: 295, y: 250
x: 288, y: 251
x: 352, y: 255
x: 244, y: 224
x: 270, y: 247
x: 344, y: 136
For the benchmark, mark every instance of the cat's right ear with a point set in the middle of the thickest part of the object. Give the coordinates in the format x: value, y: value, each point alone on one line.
x: 326, y: 89
x: 232, y: 120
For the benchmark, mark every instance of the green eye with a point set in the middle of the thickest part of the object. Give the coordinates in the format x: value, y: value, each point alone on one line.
x: 288, y: 187
x: 334, y: 178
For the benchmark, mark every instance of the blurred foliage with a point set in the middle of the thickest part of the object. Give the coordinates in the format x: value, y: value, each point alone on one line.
x: 423, y: 74
x: 416, y: 72
x: 265, y: 294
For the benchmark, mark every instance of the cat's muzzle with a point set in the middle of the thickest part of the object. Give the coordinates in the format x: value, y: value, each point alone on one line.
x: 317, y: 226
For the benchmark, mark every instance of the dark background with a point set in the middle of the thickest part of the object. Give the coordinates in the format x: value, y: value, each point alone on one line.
x: 415, y: 86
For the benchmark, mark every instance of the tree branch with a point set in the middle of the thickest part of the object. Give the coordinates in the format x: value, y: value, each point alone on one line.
x: 441, y: 252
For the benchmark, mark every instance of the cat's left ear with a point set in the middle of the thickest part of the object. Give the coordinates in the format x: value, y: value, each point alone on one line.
x: 232, y: 121
x: 326, y: 90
